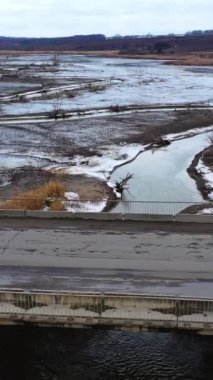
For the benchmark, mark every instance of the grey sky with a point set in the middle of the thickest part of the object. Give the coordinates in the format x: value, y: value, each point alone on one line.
x: 36, y: 18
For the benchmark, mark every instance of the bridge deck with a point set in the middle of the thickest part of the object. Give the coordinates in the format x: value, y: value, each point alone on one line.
x: 97, y: 259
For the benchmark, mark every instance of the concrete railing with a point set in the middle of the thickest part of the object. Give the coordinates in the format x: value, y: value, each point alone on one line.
x: 182, y: 218
x: 114, y: 206
x: 125, y: 311
x: 122, y: 210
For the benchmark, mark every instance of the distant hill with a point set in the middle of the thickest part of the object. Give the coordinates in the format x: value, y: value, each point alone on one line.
x: 191, y: 42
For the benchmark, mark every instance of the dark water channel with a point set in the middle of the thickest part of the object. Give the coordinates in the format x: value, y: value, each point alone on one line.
x: 62, y: 354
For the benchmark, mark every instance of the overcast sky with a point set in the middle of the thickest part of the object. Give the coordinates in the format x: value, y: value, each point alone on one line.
x: 37, y: 18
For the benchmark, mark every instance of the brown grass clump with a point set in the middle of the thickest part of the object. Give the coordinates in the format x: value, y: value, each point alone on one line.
x: 53, y: 189
x: 56, y: 206
x: 38, y: 198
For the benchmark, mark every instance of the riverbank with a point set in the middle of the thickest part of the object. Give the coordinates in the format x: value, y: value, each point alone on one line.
x: 204, y: 58
x: 24, y: 179
x: 83, y: 165
x: 190, y: 59
x: 201, y: 170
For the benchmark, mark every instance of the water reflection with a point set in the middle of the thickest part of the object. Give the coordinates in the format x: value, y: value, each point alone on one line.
x: 62, y: 354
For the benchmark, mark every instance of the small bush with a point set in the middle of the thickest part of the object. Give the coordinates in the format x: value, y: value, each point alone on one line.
x: 53, y: 189
x: 115, y: 108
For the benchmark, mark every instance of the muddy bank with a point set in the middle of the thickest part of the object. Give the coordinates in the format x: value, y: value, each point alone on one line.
x: 206, y: 156
x: 177, y: 121
x: 27, y: 178
x: 142, y: 128
x: 63, y: 147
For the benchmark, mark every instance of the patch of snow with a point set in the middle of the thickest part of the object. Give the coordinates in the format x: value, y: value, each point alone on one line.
x: 73, y: 204
x: 206, y: 211
x: 6, y: 183
x: 102, y: 166
x: 190, y: 132
x: 118, y: 195
x: 207, y: 174
x: 88, y: 206
x: 70, y: 196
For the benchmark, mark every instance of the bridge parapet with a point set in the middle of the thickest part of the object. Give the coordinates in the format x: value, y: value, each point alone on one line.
x: 124, y: 311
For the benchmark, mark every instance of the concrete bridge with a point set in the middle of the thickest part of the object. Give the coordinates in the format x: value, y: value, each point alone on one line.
x: 124, y: 311
x: 118, y: 274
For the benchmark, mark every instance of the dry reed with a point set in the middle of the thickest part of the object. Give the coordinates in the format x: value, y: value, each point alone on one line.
x: 37, y: 199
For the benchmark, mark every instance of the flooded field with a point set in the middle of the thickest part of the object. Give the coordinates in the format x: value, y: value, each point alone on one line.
x: 120, y: 82
x: 84, y: 116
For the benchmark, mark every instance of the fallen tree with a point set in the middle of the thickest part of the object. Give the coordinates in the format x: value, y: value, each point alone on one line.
x: 122, y: 185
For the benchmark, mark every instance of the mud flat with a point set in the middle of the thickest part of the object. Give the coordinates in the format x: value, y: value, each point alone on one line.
x: 81, y: 153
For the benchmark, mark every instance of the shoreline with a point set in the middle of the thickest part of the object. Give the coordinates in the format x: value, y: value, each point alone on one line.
x: 204, y: 58
x: 202, y: 183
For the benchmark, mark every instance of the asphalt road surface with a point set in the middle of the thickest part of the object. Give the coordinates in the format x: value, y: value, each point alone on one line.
x: 124, y: 257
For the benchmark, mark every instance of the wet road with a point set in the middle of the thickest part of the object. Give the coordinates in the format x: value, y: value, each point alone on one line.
x: 129, y: 257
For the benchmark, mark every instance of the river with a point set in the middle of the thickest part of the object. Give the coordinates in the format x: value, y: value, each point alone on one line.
x: 62, y: 354
x: 160, y: 175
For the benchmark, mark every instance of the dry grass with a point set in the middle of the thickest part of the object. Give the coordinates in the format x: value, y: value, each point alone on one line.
x: 196, y: 59
x: 57, y: 206
x: 38, y: 198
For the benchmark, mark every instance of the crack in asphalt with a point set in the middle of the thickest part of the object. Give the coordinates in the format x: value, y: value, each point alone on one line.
x: 9, y: 241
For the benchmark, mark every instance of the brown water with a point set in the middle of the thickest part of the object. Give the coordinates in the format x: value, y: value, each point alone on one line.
x: 63, y: 354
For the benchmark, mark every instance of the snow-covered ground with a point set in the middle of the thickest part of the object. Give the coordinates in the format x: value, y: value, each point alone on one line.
x: 73, y: 204
x: 102, y: 166
x: 189, y: 133
x: 206, y: 211
x: 207, y: 174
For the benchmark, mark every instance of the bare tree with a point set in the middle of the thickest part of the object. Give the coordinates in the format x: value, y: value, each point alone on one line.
x: 57, y: 110
x: 55, y: 62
